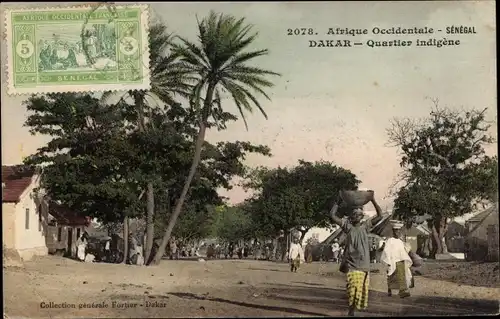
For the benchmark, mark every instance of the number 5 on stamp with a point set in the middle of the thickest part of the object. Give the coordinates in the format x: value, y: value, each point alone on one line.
x: 77, y: 49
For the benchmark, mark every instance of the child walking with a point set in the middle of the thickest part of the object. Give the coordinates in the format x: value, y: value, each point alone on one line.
x: 295, y: 255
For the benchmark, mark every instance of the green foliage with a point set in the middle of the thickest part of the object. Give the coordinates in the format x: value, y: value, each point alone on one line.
x: 312, y: 241
x: 232, y: 223
x: 86, y: 160
x: 98, y: 163
x: 486, y: 178
x: 219, y: 64
x: 446, y: 170
x: 297, y: 197
x: 194, y: 224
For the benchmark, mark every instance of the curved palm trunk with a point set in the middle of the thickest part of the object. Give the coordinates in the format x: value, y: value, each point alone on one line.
x: 178, y: 207
x: 194, y: 165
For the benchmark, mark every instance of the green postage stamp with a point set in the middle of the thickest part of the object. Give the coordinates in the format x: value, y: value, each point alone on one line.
x: 78, y: 49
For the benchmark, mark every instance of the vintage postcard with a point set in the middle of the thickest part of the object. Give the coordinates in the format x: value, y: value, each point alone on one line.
x: 260, y: 159
x: 77, y: 49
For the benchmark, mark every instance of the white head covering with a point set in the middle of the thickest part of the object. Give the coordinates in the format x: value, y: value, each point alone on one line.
x: 396, y: 224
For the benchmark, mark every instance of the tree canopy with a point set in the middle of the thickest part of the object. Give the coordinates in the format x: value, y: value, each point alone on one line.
x: 298, y: 197
x: 232, y: 223
x: 445, y: 168
x: 217, y: 64
x: 97, y: 162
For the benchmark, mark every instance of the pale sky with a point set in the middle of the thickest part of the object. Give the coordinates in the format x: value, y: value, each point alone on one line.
x: 334, y: 104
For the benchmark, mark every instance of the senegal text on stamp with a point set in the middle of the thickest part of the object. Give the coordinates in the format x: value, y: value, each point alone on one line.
x: 77, y: 49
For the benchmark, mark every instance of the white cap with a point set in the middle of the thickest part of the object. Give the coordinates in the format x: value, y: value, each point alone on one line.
x: 396, y: 224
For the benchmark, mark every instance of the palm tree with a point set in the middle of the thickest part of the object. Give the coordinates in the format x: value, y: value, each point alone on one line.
x: 169, y: 79
x: 219, y: 64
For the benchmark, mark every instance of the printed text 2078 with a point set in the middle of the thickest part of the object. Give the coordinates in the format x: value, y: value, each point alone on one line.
x: 301, y: 31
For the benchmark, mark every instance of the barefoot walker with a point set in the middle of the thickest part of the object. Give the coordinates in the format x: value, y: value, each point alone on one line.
x: 356, y: 258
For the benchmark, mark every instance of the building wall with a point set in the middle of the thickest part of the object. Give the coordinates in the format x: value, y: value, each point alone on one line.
x: 9, y: 225
x: 412, y: 240
x: 493, y: 247
x: 54, y: 244
x: 322, y: 233
x: 30, y: 241
x: 481, y: 232
x: 477, y: 240
x: 33, y: 236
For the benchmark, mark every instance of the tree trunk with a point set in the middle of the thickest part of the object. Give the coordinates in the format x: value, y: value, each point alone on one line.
x: 439, y: 228
x: 200, y: 139
x: 302, y: 235
x: 125, y: 240
x: 178, y: 207
x: 274, y: 254
x: 150, y: 226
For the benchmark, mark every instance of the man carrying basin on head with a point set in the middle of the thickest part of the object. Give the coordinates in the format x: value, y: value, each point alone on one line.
x: 356, y: 257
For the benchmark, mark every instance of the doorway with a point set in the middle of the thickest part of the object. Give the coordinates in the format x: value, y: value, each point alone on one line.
x: 70, y: 242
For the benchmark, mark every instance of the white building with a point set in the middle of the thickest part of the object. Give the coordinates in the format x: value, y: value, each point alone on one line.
x: 23, y: 215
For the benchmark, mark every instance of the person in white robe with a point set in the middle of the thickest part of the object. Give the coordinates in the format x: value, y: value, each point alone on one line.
x: 395, y: 256
x: 81, y: 245
x: 295, y: 255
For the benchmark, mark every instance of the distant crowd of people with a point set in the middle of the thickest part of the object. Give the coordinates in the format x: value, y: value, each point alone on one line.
x: 178, y: 249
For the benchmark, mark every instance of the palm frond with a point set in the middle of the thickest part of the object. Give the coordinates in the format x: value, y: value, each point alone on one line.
x: 218, y: 61
x: 190, y: 53
x: 243, y: 57
x: 256, y: 83
x: 250, y: 70
x: 251, y: 97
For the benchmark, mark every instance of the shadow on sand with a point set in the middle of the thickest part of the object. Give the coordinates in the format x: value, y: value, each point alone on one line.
x: 477, y: 274
x: 187, y: 295
x: 295, y: 299
x: 380, y: 304
x: 268, y: 269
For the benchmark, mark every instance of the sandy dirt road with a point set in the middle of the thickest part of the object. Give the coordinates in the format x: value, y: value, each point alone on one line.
x: 55, y: 287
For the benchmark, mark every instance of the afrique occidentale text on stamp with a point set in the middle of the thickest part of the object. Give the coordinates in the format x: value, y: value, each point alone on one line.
x: 77, y: 49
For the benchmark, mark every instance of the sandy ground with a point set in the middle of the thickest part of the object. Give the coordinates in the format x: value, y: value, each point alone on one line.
x: 56, y: 287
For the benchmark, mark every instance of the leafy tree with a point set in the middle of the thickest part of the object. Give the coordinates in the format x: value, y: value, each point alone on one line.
x: 83, y: 168
x: 194, y: 224
x: 168, y: 82
x: 96, y: 161
x: 297, y: 197
x: 486, y: 178
x: 313, y: 240
x: 218, y: 63
x: 445, y: 169
x: 232, y: 223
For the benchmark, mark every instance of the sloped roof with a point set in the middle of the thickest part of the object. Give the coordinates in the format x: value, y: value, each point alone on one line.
x: 424, y: 229
x: 417, y: 230
x: 479, y: 218
x: 15, y: 180
x: 95, y: 231
x: 66, y: 216
x: 482, y: 215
